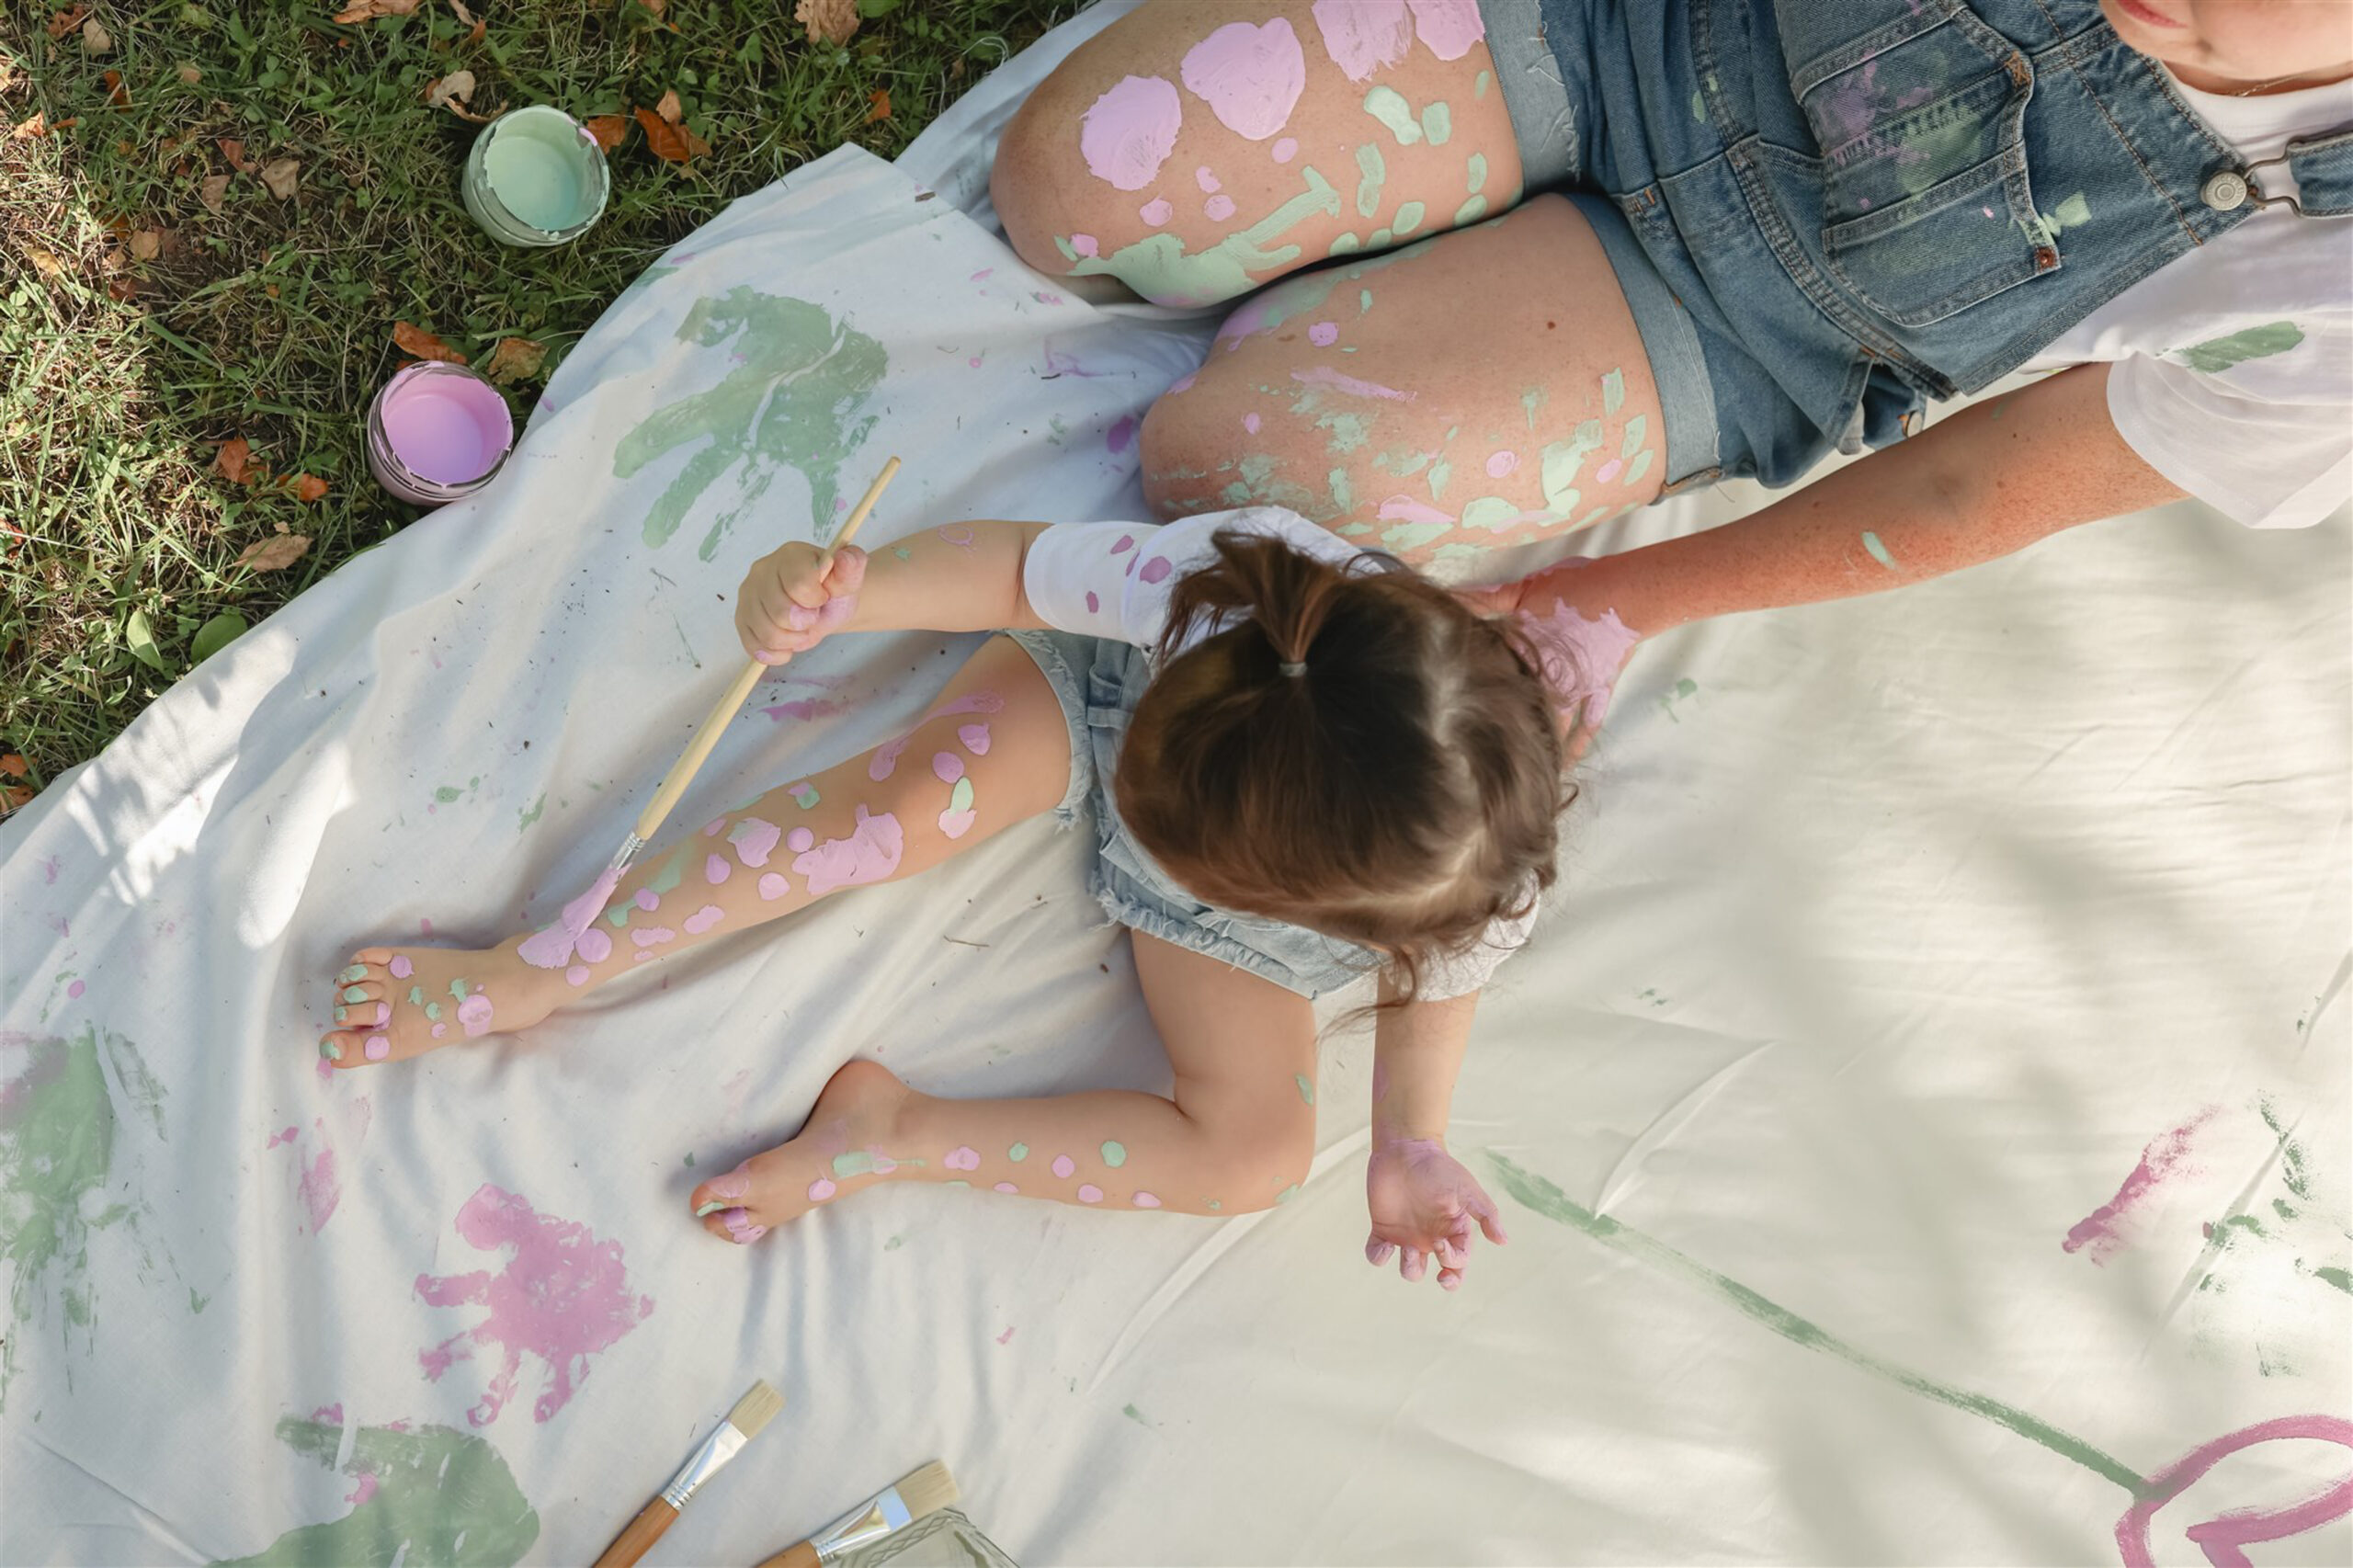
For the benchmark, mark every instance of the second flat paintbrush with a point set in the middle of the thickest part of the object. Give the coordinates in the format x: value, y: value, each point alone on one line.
x: 751, y: 1411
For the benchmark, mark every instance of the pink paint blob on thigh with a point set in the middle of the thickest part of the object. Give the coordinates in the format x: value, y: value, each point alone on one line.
x: 1064, y: 1167
x: 773, y: 886
x: 975, y: 738
x: 736, y: 1185
x: 971, y: 702
x: 473, y: 1013
x: 1089, y: 1193
x: 1404, y: 509
x: 1085, y: 244
x: 1006, y: 1187
x: 1323, y: 334
x: 401, y: 968
x: 1146, y: 1200
x: 1362, y: 35
x: 595, y: 947
x: 1129, y: 131
x: 715, y: 868
x: 703, y: 919
x: 947, y: 767
x: 1448, y: 28
x: 577, y: 974
x: 378, y: 1048
x: 653, y: 936
x: 822, y: 1189
x: 1206, y: 180
x: 440, y: 1030
x: 868, y: 855
x: 754, y: 841
x: 1251, y: 422
x: 799, y: 839
x: 1325, y: 376
x: 648, y: 900
x: 1183, y: 383
x: 1218, y: 209
x: 1285, y: 149
x: 1250, y: 77
x: 1156, y: 212
x: 1501, y: 463
x: 963, y: 1157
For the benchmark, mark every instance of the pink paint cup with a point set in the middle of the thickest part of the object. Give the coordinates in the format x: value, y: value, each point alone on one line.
x: 437, y: 432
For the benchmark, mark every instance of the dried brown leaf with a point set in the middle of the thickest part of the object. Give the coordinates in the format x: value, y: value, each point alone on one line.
x: 361, y: 12
x: 828, y: 21
x: 457, y: 86
x: 306, y: 488
x: 609, y: 130
x: 116, y: 94
x: 16, y: 797
x: 213, y: 192
x: 457, y: 9
x: 669, y: 142
x: 63, y: 22
x: 281, y: 174
x: 668, y: 108
x: 38, y: 125
x: 96, y: 39
x: 233, y: 462
x: 514, y: 358
x: 280, y: 551
x: 235, y: 151
x: 144, y: 243
x: 45, y: 262
x: 14, y: 765
x: 191, y: 72
x: 424, y: 345
x: 877, y: 105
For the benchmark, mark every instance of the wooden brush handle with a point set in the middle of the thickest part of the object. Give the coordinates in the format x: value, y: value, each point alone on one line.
x: 682, y: 772
x: 802, y: 1556
x: 637, y: 1540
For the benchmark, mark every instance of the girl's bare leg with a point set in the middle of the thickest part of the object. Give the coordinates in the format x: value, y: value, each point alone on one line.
x: 1236, y: 1133
x: 1194, y: 149
x: 993, y: 751
x: 1487, y: 389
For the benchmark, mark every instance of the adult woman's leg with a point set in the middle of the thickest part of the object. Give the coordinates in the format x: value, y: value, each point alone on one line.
x: 1195, y: 149
x: 1486, y: 389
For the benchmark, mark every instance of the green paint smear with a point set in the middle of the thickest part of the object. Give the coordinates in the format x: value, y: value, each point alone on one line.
x: 2217, y: 354
x: 1878, y: 552
x: 197, y: 1303
x: 1639, y: 467
x: 668, y: 877
x: 1350, y: 531
x: 1412, y: 536
x: 1459, y: 550
x: 1306, y: 1089
x: 416, y: 995
x: 441, y: 1496
x: 858, y: 1162
x: 1638, y: 429
x: 533, y: 814
x: 1115, y: 1154
x: 1409, y: 218
x: 1474, y: 172
x: 1380, y: 237
x: 1562, y: 460
x: 1613, y: 391
x: 1215, y: 1204
x: 1160, y: 268
x: 1018, y: 1154
x: 1344, y: 244
x: 1343, y: 492
x: 447, y: 793
x: 960, y: 799
x: 1440, y: 471
x: 2291, y: 1154
x: 714, y: 1207
x: 2334, y: 1276
x: 806, y: 798
x: 1698, y: 106
x: 1536, y: 1193
x: 1347, y: 431
x: 690, y: 1161
x: 1479, y: 86
x: 433, y: 1011
x: 1287, y: 1194
x: 1530, y: 400
x: 1132, y: 1414
x: 1471, y: 211
x: 793, y: 400
x: 894, y: 1243
x: 57, y: 1143
x: 354, y: 993
x: 1371, y: 170
x: 1492, y: 513
x: 1437, y: 124
x: 458, y: 990
x: 1388, y: 106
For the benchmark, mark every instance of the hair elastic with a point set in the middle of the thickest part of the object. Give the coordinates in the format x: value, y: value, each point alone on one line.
x: 1294, y: 667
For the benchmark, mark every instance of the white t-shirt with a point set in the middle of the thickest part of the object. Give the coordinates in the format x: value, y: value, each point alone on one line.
x: 1113, y: 580
x: 2233, y: 373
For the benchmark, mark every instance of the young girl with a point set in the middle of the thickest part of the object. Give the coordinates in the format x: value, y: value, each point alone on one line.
x: 1304, y: 763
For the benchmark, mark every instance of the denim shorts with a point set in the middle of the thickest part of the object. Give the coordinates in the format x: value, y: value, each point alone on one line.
x: 1098, y: 681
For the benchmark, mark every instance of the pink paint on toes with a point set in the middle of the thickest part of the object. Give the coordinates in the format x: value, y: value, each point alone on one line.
x: 1064, y: 1167
x: 383, y: 1010
x: 376, y: 1048
x: 401, y: 968
x: 1006, y: 1187
x: 1089, y: 1193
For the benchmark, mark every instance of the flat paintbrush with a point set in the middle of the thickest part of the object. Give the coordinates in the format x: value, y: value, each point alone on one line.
x: 892, y: 1509
x: 682, y: 772
x: 751, y: 1411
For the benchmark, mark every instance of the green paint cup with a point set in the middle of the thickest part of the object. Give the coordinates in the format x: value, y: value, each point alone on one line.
x: 535, y: 177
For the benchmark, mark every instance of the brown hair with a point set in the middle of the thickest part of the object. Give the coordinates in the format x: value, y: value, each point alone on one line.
x: 1400, y: 789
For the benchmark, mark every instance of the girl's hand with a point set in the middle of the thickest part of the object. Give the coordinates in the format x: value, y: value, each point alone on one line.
x: 1423, y: 1203
x: 1570, y: 614
x: 790, y: 599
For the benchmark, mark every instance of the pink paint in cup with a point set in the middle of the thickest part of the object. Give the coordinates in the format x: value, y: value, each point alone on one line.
x: 437, y: 432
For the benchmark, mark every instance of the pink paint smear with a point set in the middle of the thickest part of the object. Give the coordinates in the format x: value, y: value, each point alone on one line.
x: 2225, y: 1538
x: 1325, y: 376
x: 2096, y: 1233
x: 562, y: 1297
x: 1250, y: 77
x: 1127, y: 133
x: 1581, y: 657
x: 1362, y: 35
x: 551, y: 948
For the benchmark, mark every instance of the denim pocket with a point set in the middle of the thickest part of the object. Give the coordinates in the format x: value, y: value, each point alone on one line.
x: 1921, y: 128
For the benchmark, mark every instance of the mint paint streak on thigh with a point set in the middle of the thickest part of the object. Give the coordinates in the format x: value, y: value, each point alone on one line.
x: 1160, y: 268
x: 1536, y: 1193
x: 1388, y: 106
x: 1372, y: 171
x: 1879, y: 550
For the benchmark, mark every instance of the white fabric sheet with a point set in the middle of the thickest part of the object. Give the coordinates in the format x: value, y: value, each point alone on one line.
x: 1893, y: 938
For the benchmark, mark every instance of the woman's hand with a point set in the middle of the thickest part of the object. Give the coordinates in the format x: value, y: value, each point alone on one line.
x: 1423, y: 1204
x: 790, y: 599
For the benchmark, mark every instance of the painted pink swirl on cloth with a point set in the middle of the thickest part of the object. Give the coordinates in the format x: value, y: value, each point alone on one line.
x: 2224, y: 1538
x: 1362, y: 35
x: 2095, y: 1235
x: 1250, y: 77
x: 1127, y: 133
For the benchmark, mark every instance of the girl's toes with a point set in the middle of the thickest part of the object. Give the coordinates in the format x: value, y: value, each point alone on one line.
x: 373, y: 955
x: 736, y: 1224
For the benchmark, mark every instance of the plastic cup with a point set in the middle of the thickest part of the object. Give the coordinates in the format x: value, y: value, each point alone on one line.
x: 535, y: 177
x: 437, y: 432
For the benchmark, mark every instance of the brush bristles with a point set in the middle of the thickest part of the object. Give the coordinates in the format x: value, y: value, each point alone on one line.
x: 927, y: 1491
x: 756, y: 1410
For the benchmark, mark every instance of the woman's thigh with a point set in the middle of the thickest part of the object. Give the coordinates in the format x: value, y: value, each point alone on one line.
x: 1488, y: 389
x: 1194, y: 149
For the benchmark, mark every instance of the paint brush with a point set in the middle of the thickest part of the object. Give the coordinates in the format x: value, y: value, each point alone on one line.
x: 751, y: 1411
x: 690, y: 761
x: 892, y: 1509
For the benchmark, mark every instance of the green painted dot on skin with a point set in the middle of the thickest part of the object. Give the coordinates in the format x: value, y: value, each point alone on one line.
x: 1639, y: 467
x: 341, y: 1013
x: 1215, y: 1204
x: 458, y: 990
x: 1471, y: 211
x: 857, y: 1162
x: 1380, y: 238
x: 1479, y: 87
x: 1372, y: 169
x: 714, y: 1207
x: 1343, y: 492
x: 1364, y: 300
x: 1306, y: 1089
x: 1490, y: 512
x: 959, y: 1184
x: 357, y: 972
x: 432, y: 1011
x: 960, y: 799
x: 1437, y: 124
x: 1344, y: 244
x: 416, y: 993
x: 1018, y: 1154
x: 1115, y: 1154
x: 690, y: 1161
x: 353, y: 993
x: 1475, y: 172
x: 672, y: 869
x: 618, y: 916
x: 1061, y: 244
x: 1388, y: 106
x: 1879, y: 550
x: 903, y: 552
x: 1637, y: 430
x: 1287, y: 1194
x: 1409, y: 218
x: 1440, y: 471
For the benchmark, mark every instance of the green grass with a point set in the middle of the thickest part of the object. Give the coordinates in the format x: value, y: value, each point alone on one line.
x: 120, y: 374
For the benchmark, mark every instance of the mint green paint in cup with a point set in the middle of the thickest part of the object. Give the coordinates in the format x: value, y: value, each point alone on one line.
x: 535, y: 177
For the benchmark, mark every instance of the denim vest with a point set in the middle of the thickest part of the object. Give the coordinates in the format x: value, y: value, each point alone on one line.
x: 1890, y: 200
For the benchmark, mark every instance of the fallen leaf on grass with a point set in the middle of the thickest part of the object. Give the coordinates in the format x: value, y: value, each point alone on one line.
x: 38, y: 125
x: 609, y: 130
x: 14, y: 765
x: 306, y: 488
x: 44, y: 262
x: 96, y: 39
x: 63, y: 22
x: 213, y: 191
x: 668, y: 108
x: 145, y: 244
x: 424, y: 345
x: 476, y: 25
x: 514, y: 358
x: 877, y: 105
x: 828, y: 21
x: 235, y: 151
x: 364, y: 11
x: 233, y: 462
x: 278, y: 552
x: 280, y: 176
x: 16, y: 797
x: 139, y: 637
x: 216, y: 634
x: 190, y: 72
x: 116, y: 94
x: 673, y: 144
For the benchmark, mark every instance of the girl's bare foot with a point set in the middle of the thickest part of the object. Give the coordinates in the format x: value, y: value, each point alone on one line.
x: 843, y: 1145
x: 394, y: 1003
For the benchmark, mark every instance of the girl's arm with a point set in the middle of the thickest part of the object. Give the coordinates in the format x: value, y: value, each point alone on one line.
x: 1422, y: 1199
x: 1989, y: 480
x: 962, y: 578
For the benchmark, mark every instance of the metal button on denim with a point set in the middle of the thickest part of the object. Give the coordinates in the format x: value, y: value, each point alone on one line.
x: 2224, y: 190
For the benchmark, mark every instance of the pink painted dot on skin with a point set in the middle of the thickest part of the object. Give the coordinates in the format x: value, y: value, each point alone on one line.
x: 715, y: 869
x: 1609, y: 471
x: 383, y: 1010
x: 401, y: 968
x: 577, y: 974
x: 963, y: 1157
x: 975, y: 738
x: 1006, y: 1187
x: 595, y: 945
x: 1206, y: 180
x: 1218, y: 208
x: 1323, y: 334
x: 703, y: 919
x: 947, y: 767
x: 1250, y: 77
x: 440, y: 1030
x: 1129, y: 131
x: 1362, y: 35
x: 648, y: 900
x: 1285, y: 149
x: 1447, y: 27
x: 754, y: 841
x: 653, y: 936
x: 772, y: 884
x: 1084, y: 245
x: 1064, y: 1167
x: 1156, y: 212
x: 1502, y: 463
x: 473, y: 1013
x: 1146, y: 1200
x: 379, y: 1047
x: 1089, y: 1193
x: 821, y: 1190
x: 711, y: 828
x: 1251, y: 422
